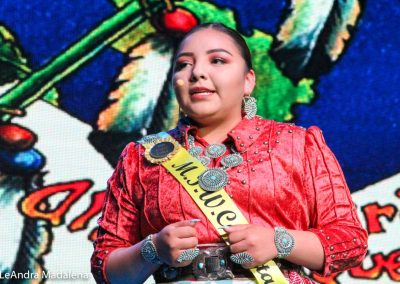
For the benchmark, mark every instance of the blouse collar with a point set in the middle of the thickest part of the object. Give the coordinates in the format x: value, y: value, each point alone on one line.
x: 243, y: 135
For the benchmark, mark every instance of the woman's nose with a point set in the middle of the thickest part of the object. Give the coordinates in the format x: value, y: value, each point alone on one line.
x: 198, y: 72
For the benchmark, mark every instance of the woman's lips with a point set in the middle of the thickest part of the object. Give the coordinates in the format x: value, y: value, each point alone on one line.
x: 199, y: 93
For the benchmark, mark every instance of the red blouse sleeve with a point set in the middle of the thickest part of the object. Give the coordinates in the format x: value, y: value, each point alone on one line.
x: 334, y: 217
x: 119, y: 221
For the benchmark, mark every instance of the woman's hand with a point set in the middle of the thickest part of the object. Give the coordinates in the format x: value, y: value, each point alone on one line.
x: 174, y: 239
x: 258, y: 241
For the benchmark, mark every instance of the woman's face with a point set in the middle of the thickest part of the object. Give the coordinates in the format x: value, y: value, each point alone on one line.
x: 210, y: 77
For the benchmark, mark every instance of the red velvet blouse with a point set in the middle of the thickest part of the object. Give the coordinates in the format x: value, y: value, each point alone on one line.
x: 289, y: 178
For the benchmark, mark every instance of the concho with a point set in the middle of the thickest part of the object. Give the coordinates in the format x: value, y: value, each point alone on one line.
x: 195, y: 151
x: 231, y: 160
x: 215, y: 150
x: 213, y: 179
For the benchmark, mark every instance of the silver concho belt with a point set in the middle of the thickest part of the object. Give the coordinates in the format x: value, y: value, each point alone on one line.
x: 212, y: 263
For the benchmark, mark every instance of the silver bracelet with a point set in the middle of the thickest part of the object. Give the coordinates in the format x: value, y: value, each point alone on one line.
x: 149, y: 251
x: 284, y: 242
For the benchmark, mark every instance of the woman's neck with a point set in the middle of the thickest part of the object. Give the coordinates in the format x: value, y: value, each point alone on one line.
x: 217, y: 132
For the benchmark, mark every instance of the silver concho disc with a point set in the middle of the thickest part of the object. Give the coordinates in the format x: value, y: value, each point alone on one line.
x: 213, y: 179
x: 190, y: 139
x: 232, y: 160
x: 195, y: 151
x: 152, y: 138
x: 215, y: 150
x: 204, y: 160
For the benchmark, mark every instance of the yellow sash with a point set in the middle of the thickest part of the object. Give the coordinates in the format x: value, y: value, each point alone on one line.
x: 217, y: 206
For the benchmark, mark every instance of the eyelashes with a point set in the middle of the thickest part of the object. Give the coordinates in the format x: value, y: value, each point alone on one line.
x: 180, y: 65
x: 218, y: 60
x: 183, y: 64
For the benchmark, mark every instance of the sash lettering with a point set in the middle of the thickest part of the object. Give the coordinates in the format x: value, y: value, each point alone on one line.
x: 231, y: 216
x: 208, y: 199
x: 264, y: 274
x: 186, y: 168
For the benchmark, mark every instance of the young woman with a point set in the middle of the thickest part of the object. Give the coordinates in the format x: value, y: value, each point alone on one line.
x: 282, y: 178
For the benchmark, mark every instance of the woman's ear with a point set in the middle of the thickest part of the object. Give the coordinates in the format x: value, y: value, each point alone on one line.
x: 250, y: 82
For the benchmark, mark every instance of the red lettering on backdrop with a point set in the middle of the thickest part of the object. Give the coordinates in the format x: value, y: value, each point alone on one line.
x: 92, y: 235
x: 81, y: 222
x: 381, y: 263
x: 372, y: 214
x: 34, y: 205
x: 331, y: 279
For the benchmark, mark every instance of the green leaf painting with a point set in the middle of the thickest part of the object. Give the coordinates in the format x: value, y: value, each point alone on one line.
x: 14, y: 65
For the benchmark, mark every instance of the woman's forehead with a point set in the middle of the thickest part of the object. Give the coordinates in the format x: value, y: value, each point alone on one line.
x: 208, y: 39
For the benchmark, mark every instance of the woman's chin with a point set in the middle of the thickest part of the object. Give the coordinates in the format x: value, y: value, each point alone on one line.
x: 203, y: 111
x: 202, y: 116
x: 212, y: 118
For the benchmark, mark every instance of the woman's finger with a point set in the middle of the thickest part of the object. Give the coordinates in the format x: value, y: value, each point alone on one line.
x: 239, y: 247
x: 188, y: 243
x: 234, y: 228
x: 236, y: 236
x: 185, y: 223
x: 185, y: 232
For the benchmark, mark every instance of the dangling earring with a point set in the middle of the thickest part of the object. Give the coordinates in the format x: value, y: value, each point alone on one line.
x: 181, y: 113
x: 249, y: 106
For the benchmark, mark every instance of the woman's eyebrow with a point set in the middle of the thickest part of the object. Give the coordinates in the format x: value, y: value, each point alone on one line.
x: 190, y: 54
x: 185, y: 54
x: 218, y: 50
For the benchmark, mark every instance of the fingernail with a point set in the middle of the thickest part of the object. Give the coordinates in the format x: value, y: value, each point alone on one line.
x: 194, y: 221
x: 224, y: 227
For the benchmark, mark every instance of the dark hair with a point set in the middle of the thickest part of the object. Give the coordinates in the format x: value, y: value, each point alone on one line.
x: 233, y: 34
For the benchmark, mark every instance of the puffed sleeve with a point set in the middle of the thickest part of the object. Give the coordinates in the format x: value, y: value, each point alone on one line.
x: 119, y: 221
x: 334, y: 216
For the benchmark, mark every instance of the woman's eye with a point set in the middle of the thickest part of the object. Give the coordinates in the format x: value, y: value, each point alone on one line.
x: 218, y: 60
x: 181, y: 65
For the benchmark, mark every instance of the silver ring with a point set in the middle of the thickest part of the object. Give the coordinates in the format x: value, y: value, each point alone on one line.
x: 188, y: 255
x: 241, y: 258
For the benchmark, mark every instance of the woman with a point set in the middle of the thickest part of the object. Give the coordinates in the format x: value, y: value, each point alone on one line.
x: 283, y: 178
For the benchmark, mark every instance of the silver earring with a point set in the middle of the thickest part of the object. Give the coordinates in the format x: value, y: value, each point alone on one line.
x: 249, y: 106
x: 181, y: 114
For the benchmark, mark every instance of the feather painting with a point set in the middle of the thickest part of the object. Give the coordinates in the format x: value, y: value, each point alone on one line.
x: 314, y: 35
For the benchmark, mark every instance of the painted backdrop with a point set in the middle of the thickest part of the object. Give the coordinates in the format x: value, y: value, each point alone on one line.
x: 80, y: 79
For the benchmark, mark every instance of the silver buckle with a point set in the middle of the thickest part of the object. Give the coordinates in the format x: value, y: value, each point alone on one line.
x: 212, y: 264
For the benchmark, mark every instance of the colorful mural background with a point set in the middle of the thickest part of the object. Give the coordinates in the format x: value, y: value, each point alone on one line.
x: 61, y: 134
